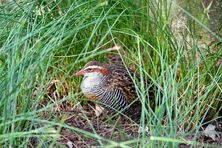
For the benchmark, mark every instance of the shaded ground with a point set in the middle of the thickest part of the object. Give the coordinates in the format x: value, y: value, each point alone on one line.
x: 124, y: 129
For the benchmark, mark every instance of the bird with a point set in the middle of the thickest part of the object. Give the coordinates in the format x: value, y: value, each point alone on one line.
x: 109, y: 84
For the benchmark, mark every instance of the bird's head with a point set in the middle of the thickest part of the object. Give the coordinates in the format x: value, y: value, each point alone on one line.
x: 93, y: 68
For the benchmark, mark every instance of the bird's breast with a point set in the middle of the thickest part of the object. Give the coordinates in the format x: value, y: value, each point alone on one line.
x: 91, y: 88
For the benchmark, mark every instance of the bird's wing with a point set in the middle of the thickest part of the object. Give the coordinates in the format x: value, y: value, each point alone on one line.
x: 121, y: 79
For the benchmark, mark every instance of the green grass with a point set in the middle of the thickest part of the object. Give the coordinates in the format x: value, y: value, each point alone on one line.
x: 41, y: 41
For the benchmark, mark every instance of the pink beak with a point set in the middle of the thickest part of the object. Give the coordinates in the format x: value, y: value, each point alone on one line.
x: 80, y: 73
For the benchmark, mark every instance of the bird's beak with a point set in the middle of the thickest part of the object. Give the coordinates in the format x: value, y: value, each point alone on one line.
x: 80, y: 73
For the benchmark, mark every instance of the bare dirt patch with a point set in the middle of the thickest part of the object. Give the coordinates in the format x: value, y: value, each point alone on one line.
x: 105, y: 126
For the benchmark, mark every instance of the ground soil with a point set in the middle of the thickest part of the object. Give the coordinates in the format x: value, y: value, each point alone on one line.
x: 107, y: 125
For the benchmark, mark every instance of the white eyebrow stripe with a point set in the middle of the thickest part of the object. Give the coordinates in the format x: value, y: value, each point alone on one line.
x: 93, y: 67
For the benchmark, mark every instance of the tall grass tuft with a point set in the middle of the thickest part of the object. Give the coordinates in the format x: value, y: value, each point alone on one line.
x: 42, y: 41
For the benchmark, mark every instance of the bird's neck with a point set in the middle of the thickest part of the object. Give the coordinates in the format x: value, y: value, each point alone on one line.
x: 93, y: 82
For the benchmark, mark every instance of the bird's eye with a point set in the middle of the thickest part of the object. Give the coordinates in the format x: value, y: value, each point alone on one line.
x: 89, y: 69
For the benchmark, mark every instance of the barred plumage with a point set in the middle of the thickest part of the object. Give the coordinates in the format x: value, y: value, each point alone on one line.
x: 114, y: 100
x: 108, y: 84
